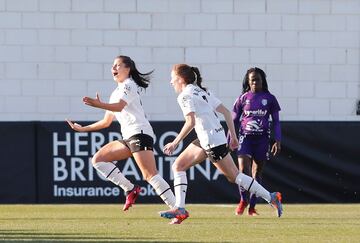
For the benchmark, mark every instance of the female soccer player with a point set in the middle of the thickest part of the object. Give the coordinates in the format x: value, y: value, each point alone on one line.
x: 136, y: 131
x: 198, y: 106
x: 251, y: 114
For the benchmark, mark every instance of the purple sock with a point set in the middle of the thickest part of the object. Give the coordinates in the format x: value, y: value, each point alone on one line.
x: 244, y: 195
x: 253, y: 201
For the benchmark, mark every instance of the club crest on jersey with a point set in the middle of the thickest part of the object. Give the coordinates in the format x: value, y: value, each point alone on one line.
x: 127, y: 89
x: 185, y: 101
x: 264, y: 102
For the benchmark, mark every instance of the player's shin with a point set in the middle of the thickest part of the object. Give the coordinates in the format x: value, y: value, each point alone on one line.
x: 113, y: 174
x: 163, y: 189
x: 252, y: 186
x: 180, y: 188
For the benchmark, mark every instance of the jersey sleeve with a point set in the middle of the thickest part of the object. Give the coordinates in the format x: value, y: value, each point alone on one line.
x: 276, y: 125
x: 274, y: 111
x: 186, y: 103
x: 275, y: 107
x: 113, y: 98
x: 213, y: 101
x: 236, y: 114
x: 237, y: 107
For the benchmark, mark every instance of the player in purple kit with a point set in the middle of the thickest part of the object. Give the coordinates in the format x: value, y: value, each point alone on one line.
x: 251, y: 113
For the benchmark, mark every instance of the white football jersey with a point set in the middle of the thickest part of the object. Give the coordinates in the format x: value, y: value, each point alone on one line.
x: 207, y: 124
x: 132, y: 118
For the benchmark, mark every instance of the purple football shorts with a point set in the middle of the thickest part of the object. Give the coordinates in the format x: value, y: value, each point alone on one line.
x: 256, y: 147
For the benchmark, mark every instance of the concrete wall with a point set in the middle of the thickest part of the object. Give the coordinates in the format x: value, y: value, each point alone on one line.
x: 53, y: 52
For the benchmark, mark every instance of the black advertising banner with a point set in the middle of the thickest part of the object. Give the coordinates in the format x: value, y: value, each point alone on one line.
x: 17, y: 163
x: 319, y: 163
x: 65, y: 173
x: 47, y: 162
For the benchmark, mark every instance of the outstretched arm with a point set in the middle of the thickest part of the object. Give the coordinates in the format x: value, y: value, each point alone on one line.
x: 103, y: 123
x: 116, y: 107
x: 185, y: 130
x: 234, y: 143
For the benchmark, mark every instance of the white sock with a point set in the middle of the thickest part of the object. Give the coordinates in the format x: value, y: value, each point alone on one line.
x: 112, y: 173
x: 252, y: 186
x: 180, y: 188
x: 163, y: 189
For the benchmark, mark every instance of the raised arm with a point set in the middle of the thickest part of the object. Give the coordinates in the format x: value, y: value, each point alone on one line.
x: 116, y: 107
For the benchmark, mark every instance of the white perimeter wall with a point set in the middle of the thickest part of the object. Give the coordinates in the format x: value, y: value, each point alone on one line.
x: 53, y: 52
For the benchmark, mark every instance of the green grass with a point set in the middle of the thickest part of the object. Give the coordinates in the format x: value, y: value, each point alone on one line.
x: 207, y: 223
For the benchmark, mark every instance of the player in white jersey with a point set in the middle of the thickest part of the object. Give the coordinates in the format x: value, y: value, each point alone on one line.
x: 199, y: 108
x: 136, y: 131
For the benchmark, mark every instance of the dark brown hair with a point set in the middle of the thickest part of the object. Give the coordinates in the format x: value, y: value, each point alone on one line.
x: 191, y: 75
x: 141, y: 79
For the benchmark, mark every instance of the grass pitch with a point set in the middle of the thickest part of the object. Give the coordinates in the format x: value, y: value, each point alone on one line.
x: 207, y: 223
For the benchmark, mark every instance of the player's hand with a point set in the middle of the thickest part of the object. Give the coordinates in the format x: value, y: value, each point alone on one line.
x: 75, y: 126
x: 233, y: 143
x: 91, y: 101
x: 169, y: 148
x: 276, y: 148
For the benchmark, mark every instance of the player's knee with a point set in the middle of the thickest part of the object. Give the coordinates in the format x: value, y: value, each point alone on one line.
x: 257, y: 174
x: 247, y: 171
x: 96, y: 158
x: 176, y: 167
x: 147, y: 176
x: 231, y: 179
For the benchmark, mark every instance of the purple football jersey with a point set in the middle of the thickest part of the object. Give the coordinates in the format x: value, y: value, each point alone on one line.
x: 254, y: 110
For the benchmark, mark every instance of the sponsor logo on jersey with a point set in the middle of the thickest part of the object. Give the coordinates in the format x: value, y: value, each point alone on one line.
x: 219, y: 129
x: 258, y: 112
x: 254, y: 126
x: 185, y: 101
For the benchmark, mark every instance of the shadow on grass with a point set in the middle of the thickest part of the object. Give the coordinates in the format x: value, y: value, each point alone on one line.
x: 15, y: 236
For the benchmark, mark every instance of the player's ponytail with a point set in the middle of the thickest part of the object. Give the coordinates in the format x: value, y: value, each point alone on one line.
x: 141, y: 79
x: 198, y: 78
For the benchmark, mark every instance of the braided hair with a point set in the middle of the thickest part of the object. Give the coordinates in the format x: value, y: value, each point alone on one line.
x: 245, y: 84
